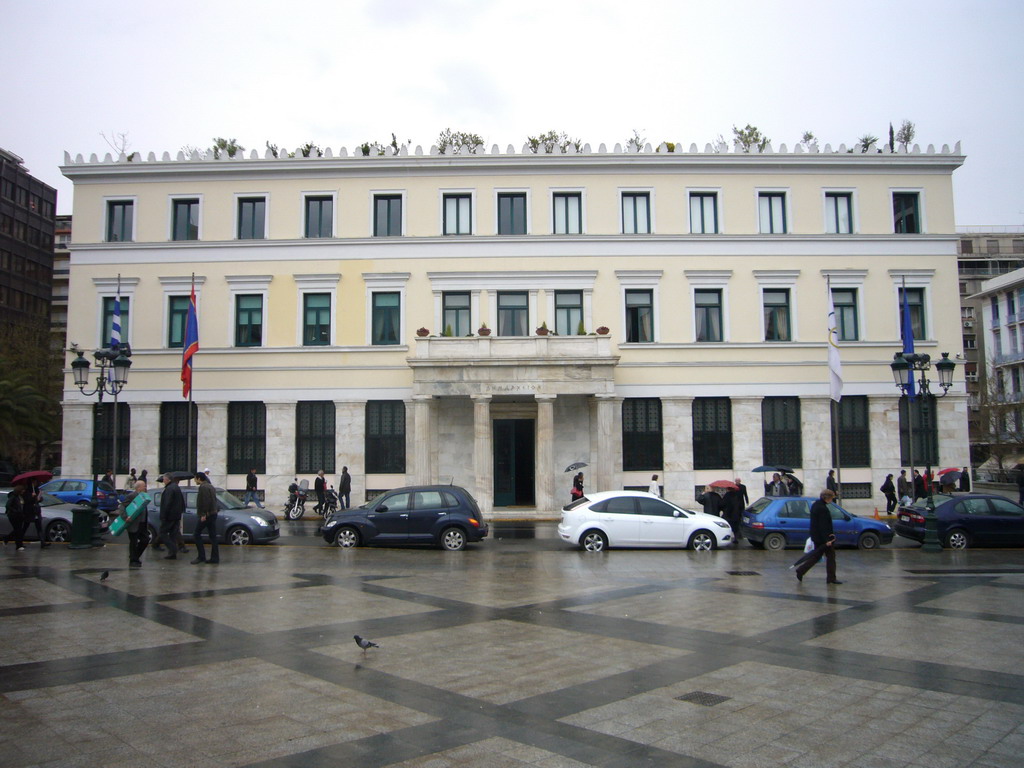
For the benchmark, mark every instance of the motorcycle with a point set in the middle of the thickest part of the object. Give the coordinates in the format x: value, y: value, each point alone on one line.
x: 295, y: 507
x: 330, y: 502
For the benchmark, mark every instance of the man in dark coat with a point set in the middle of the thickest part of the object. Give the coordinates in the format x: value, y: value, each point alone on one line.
x: 712, y: 502
x: 965, y: 480
x: 830, y: 482
x: 251, y: 482
x: 743, y: 492
x: 320, y: 486
x: 920, y: 488
x: 172, y: 507
x: 778, y: 487
x: 903, y: 485
x: 733, y: 507
x: 345, y: 488
x: 824, y: 539
x: 206, y: 511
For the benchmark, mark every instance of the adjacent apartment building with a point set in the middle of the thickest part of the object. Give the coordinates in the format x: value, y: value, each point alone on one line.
x: 490, y: 318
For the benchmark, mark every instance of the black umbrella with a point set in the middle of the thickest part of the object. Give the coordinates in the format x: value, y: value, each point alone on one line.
x: 182, y: 475
x: 577, y: 465
x: 765, y: 468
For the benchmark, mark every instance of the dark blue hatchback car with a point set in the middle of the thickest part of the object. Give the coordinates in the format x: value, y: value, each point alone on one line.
x: 785, y: 521
x: 975, y: 519
x: 443, y: 515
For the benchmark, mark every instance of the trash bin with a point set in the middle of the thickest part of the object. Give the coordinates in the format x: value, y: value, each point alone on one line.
x: 86, y: 528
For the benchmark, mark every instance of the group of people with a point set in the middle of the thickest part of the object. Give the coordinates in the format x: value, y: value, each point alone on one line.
x: 23, y: 511
x: 785, y: 485
x: 907, y: 491
x: 343, y: 494
x: 727, y: 503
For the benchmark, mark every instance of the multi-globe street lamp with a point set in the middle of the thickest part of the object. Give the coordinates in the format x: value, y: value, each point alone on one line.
x: 909, y: 369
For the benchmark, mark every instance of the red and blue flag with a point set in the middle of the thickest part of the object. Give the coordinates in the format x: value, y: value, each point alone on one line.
x: 191, y: 345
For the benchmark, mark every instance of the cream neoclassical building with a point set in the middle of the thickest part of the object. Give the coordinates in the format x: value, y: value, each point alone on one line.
x: 708, y: 270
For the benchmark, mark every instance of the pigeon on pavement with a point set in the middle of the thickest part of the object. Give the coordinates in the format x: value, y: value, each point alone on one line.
x: 103, y: 576
x: 364, y: 643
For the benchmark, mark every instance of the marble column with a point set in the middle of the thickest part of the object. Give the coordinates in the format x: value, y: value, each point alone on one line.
x: 212, y: 442
x: 677, y: 435
x: 605, y: 477
x: 954, y: 444
x: 748, y: 443
x: 144, y: 447
x: 483, y: 461
x: 546, y: 453
x: 884, y: 437
x: 816, y: 438
x: 422, y: 463
x: 76, y: 445
x: 350, y: 444
x: 280, y: 450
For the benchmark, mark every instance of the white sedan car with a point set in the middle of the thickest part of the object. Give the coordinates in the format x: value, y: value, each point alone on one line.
x: 639, y: 519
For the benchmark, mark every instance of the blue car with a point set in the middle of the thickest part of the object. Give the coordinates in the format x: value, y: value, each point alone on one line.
x: 968, y: 520
x: 778, y: 522
x: 75, y: 491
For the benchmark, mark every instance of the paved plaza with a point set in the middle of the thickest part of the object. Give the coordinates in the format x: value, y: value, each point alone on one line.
x: 516, y: 652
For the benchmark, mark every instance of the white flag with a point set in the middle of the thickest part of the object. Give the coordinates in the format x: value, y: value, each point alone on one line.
x: 835, y: 367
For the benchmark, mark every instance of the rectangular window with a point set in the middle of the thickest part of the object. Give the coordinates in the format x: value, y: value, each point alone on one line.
x: 185, y: 220
x: 569, y: 313
x: 385, y: 437
x: 838, y: 213
x: 924, y: 416
x: 247, y: 437
x: 636, y: 213
x: 915, y: 298
x: 103, y: 437
x: 108, y: 319
x: 174, y: 436
x: 966, y: 246
x: 458, y: 212
x: 844, y: 301
x: 319, y: 216
x: 568, y: 213
x: 712, y: 433
x: 854, y: 433
x: 780, y: 431
x: 177, y: 316
x: 1018, y: 246
x: 316, y: 323
x: 991, y: 246
x: 906, y: 215
x: 639, y: 316
x: 1011, y: 306
x: 708, y: 314
x: 314, y: 436
x: 995, y: 311
x: 386, y: 319
x: 703, y: 213
x: 512, y: 213
x: 252, y: 219
x: 776, y: 314
x: 119, y: 221
x: 456, y: 314
x: 771, y: 212
x: 387, y: 215
x: 513, y: 313
x: 248, y: 320
x: 642, y: 444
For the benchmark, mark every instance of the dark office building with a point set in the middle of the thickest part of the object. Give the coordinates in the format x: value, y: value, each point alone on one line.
x: 27, y: 212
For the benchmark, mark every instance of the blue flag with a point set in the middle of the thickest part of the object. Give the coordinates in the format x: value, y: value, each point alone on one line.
x: 908, y: 339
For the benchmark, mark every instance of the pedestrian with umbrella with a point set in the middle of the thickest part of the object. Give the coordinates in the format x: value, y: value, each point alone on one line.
x: 16, y: 516
x: 732, y: 508
x: 824, y: 540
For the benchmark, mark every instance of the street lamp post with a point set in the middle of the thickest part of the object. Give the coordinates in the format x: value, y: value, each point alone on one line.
x: 111, y: 378
x: 910, y: 371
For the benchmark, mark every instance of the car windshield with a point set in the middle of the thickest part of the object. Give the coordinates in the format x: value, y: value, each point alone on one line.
x: 758, y: 505
x: 939, y: 498
x: 229, y: 500
x: 48, y: 500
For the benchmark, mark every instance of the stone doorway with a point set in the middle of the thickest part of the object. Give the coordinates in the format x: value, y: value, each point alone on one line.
x: 514, y: 463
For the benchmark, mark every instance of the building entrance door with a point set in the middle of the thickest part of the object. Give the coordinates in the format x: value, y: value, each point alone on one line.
x: 513, y: 463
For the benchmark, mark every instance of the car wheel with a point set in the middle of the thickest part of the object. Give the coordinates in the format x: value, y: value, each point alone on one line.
x: 774, y: 542
x: 58, y: 530
x: 453, y: 539
x: 295, y: 512
x: 958, y: 539
x: 239, y: 536
x: 347, y: 537
x: 154, y: 536
x: 702, y: 541
x: 869, y: 540
x: 594, y: 541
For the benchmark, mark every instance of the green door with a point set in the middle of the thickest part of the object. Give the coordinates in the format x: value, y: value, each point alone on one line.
x: 513, y: 463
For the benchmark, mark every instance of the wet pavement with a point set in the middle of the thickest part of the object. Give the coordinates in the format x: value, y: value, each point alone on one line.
x: 518, y: 651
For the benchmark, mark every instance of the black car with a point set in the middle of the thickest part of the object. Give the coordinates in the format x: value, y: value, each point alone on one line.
x: 443, y: 515
x: 966, y: 520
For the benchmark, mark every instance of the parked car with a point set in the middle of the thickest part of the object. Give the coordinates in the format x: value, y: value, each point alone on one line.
x: 777, y: 522
x: 56, y: 519
x: 75, y: 491
x: 237, y: 523
x: 968, y: 520
x: 638, y: 519
x: 443, y: 515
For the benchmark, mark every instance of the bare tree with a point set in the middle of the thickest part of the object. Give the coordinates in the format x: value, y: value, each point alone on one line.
x: 1000, y: 421
x: 119, y: 143
x: 637, y: 142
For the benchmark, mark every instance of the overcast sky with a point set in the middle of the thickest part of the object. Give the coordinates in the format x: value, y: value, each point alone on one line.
x: 342, y: 72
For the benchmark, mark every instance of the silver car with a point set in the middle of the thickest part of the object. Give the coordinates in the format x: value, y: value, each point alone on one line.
x: 56, y: 518
x: 237, y: 523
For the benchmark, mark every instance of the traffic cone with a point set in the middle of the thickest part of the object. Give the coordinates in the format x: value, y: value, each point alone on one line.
x: 876, y: 514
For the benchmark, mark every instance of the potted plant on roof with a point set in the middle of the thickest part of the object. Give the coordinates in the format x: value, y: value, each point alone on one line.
x: 483, y: 330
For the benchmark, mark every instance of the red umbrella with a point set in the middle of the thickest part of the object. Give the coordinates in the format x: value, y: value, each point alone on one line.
x: 38, y: 475
x: 949, y: 469
x: 729, y: 485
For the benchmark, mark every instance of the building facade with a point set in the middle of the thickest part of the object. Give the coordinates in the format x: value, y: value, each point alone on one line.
x: 492, y: 318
